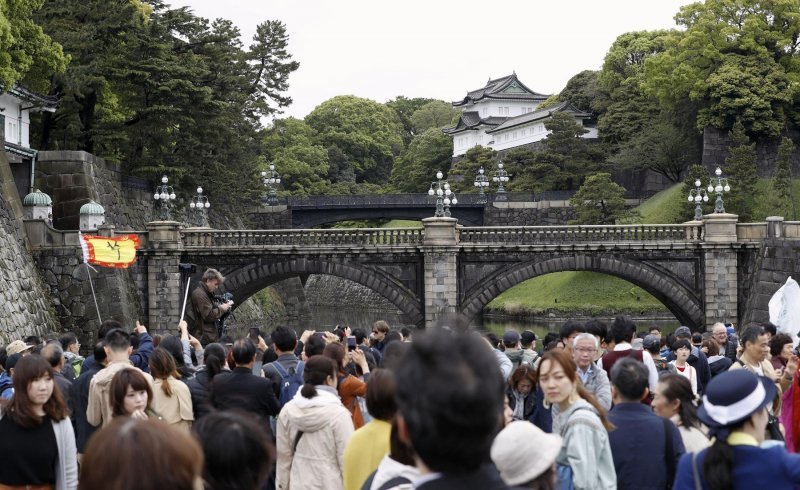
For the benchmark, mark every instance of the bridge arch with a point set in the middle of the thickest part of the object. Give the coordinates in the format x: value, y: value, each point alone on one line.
x: 679, y: 300
x: 251, y: 278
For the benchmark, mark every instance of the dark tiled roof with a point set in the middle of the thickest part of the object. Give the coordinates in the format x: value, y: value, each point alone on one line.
x: 494, y: 90
x: 471, y: 120
x: 45, y: 102
x: 540, y: 114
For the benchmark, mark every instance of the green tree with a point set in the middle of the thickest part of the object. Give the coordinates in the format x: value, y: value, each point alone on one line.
x: 405, y: 108
x: 782, y: 181
x: 435, y: 114
x: 583, y: 91
x: 742, y: 173
x: 416, y: 167
x: 270, y: 66
x: 26, y: 52
x: 302, y: 163
x: 462, y: 175
x: 661, y: 147
x: 362, y: 137
x: 600, y: 201
x: 529, y: 174
x: 566, y: 153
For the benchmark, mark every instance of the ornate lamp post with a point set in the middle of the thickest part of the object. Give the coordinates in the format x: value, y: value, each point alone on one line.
x: 481, y: 182
x: 198, y: 207
x: 444, y: 196
x: 698, y: 195
x: 501, y: 177
x: 718, y: 185
x: 271, y: 180
x: 165, y: 194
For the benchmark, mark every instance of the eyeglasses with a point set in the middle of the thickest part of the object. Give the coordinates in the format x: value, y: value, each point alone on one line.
x: 586, y: 349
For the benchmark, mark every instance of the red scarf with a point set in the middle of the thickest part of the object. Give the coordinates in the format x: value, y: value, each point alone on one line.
x: 796, y: 411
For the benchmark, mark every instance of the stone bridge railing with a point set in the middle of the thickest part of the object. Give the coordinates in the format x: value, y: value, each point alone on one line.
x: 689, y: 232
x: 361, y: 237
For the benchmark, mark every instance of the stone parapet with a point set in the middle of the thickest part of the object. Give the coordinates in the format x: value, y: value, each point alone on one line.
x: 720, y: 227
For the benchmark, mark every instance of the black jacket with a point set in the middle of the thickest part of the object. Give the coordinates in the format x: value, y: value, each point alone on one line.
x: 484, y: 478
x: 242, y: 389
x: 79, y: 398
x: 200, y: 388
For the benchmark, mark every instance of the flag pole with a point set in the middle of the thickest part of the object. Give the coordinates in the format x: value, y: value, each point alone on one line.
x: 91, y: 286
x: 186, y: 296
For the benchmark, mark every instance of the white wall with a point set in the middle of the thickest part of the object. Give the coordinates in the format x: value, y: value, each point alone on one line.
x: 16, y: 123
x: 525, y: 134
x: 503, y: 108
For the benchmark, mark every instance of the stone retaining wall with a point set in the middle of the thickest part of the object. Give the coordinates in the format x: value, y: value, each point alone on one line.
x: 715, y: 150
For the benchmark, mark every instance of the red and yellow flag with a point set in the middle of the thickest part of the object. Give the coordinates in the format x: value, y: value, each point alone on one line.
x: 117, y: 252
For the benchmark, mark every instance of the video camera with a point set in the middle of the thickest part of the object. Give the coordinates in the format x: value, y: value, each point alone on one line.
x: 222, y: 299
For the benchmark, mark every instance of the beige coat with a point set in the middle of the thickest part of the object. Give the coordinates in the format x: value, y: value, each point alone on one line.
x: 98, y: 411
x: 318, y: 462
x: 176, y: 410
x: 781, y: 382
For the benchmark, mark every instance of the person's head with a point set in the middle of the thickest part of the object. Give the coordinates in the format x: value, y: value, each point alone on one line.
x: 755, y: 342
x: 379, y: 330
x: 652, y: 344
x: 69, y: 342
x: 527, y: 339
x: 174, y: 347
x: 719, y: 332
x: 450, y: 395
x: 361, y: 336
x: 683, y: 332
x: 129, y: 392
x: 392, y: 336
x: 338, y: 353
x: 558, y: 378
x: 710, y: 347
x: 523, y: 379
x: 214, y: 359
x: 622, y: 330
x: 314, y: 346
x: 682, y: 348
x: 735, y: 400
x: 629, y: 381
x: 655, y: 330
x: 34, y: 393
x: 584, y: 349
x: 597, y: 328
x: 381, y: 391
x: 18, y: 347
x: 318, y: 371
x: 162, y: 366
x: 569, y: 331
x: 781, y: 346
x: 393, y: 354
x: 233, y: 440
x: 771, y: 329
x: 117, y: 343
x: 525, y: 455
x: 54, y: 354
x: 511, y: 339
x: 674, y: 396
x: 697, y: 338
x: 107, y: 326
x: 244, y: 352
x: 406, y: 332
x: 99, y: 352
x: 117, y: 454
x: 285, y: 339
x: 493, y: 340
x: 213, y: 279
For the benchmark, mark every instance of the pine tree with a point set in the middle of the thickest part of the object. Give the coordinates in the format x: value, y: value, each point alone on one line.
x: 782, y: 181
x: 742, y: 173
x: 601, y: 201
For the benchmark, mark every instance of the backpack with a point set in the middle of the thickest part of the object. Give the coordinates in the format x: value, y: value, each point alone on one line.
x: 290, y: 382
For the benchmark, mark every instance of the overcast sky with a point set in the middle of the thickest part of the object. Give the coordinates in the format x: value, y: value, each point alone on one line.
x: 437, y: 48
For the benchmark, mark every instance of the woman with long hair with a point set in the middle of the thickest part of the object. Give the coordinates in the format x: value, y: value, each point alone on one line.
x: 585, y: 457
x: 674, y: 400
x: 37, y: 443
x: 735, y: 411
x: 175, y: 347
x: 200, y: 386
x: 349, y: 386
x: 131, y: 396
x: 171, y: 399
x: 313, y: 429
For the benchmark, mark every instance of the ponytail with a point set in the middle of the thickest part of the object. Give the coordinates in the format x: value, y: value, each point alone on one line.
x: 214, y: 358
x: 718, y: 465
x: 316, y: 371
x: 308, y: 390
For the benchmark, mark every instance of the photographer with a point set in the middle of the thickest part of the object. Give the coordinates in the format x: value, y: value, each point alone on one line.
x: 208, y: 310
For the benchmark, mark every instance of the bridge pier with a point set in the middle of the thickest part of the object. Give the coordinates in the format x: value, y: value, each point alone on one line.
x: 440, y: 248
x: 721, y: 269
x: 164, y: 295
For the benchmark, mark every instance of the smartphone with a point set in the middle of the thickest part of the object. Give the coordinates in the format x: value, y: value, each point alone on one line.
x: 351, y: 343
x: 319, y: 334
x: 254, y: 334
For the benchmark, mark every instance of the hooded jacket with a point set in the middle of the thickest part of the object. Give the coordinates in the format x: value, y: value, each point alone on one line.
x: 99, y: 410
x: 318, y: 460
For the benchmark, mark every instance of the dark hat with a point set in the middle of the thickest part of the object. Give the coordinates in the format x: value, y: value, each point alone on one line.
x: 11, y: 361
x: 683, y: 332
x: 527, y: 337
x: 651, y: 341
x: 733, y: 396
x: 510, y: 337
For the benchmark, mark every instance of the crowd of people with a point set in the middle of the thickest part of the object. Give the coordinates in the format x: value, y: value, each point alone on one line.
x: 599, y: 407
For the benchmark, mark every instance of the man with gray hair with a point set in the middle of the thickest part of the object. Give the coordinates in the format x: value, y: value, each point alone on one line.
x: 53, y: 353
x: 727, y: 346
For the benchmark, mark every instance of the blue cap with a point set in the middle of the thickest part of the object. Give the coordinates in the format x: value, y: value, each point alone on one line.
x: 733, y: 396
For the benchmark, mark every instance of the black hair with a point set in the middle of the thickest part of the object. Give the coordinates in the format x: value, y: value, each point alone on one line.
x: 285, y: 338
x: 67, y: 340
x: 392, y: 336
x: 681, y: 343
x: 106, y: 327
x: 174, y: 346
x: 380, y: 397
x: 214, y: 359
x: 597, y: 328
x: 751, y: 333
x: 405, y: 332
x: 99, y: 352
x: 770, y: 328
x: 630, y: 378
x: 777, y: 342
x: 117, y: 340
x: 393, y: 354
x: 135, y: 341
x: 493, y: 339
x: 654, y: 327
x: 53, y: 354
x: 316, y: 371
x: 3, y: 357
x: 33, y: 340
x: 571, y: 327
x: 244, y: 350
x: 450, y: 393
x: 719, y: 461
x: 360, y: 334
x: 549, y: 338
x: 697, y: 338
x: 314, y: 346
x: 232, y: 440
x: 622, y: 329
x: 677, y: 387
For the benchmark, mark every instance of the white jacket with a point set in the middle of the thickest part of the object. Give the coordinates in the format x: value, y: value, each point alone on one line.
x: 318, y: 462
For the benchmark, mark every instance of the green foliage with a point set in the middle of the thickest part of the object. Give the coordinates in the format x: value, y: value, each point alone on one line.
x: 416, y: 167
x: 741, y: 173
x: 695, y: 173
x: 26, y: 52
x: 405, y: 108
x: 583, y: 91
x: 529, y: 174
x: 303, y: 164
x: 362, y: 138
x: 659, y: 146
x: 600, y: 201
x: 462, y: 176
x: 435, y: 114
x: 567, y: 157
x: 783, y: 200
x: 666, y: 206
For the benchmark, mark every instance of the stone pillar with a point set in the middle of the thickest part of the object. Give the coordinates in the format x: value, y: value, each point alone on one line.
x: 164, y: 296
x: 720, y: 265
x: 440, y: 248
x: 774, y: 226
